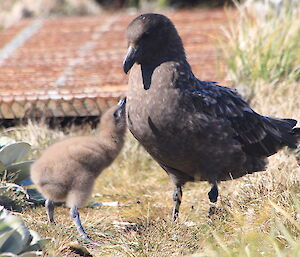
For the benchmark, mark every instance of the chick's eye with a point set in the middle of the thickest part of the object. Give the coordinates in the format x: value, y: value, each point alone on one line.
x: 117, y: 115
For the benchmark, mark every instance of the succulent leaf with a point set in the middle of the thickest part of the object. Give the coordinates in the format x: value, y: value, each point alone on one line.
x: 8, y: 255
x: 22, y: 169
x: 19, y: 236
x: 4, y: 237
x: 16, y: 239
x: 2, y: 167
x: 31, y: 254
x: 14, y: 152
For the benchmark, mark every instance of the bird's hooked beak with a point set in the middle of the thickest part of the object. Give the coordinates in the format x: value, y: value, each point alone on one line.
x: 130, y: 58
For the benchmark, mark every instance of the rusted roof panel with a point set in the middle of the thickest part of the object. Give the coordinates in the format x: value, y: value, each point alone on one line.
x: 73, y: 66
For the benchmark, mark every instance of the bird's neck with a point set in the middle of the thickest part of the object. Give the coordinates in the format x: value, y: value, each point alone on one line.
x: 112, y: 138
x: 172, y: 51
x: 175, y: 50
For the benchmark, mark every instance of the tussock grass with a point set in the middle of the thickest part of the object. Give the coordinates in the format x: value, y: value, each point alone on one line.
x: 263, y: 45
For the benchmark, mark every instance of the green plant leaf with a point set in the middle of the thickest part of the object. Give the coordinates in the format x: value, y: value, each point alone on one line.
x: 35, y: 237
x: 17, y: 241
x: 8, y: 255
x: 39, y: 244
x: 21, y: 168
x: 31, y: 254
x: 16, y: 238
x: 20, y: 237
x: 4, y: 236
x: 2, y: 167
x: 14, y: 152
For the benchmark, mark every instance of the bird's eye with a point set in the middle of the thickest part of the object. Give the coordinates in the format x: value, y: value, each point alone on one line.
x: 116, y: 114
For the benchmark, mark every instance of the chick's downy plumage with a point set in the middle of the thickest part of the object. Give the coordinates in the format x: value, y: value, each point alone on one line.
x: 67, y: 170
x: 196, y: 130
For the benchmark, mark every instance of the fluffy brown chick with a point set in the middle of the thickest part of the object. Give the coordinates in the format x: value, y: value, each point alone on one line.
x: 67, y: 170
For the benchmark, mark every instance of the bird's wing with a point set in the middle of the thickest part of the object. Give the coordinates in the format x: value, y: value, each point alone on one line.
x: 258, y: 135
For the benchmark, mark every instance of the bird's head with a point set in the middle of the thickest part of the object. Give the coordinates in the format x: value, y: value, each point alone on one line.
x: 150, y: 37
x: 113, y: 120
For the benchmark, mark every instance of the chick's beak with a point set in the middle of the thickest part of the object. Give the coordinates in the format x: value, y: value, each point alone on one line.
x: 121, y: 108
x: 130, y: 58
x: 122, y: 103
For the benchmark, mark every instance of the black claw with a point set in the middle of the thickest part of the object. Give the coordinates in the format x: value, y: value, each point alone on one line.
x: 213, y: 194
x: 175, y: 215
x: 212, y: 210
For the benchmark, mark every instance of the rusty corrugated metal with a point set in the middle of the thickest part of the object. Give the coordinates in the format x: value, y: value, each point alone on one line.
x: 73, y: 66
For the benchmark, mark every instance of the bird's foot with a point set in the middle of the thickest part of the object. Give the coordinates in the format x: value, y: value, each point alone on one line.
x: 212, y: 210
x: 213, y: 193
x: 215, y: 212
x: 175, y: 214
x: 87, y: 239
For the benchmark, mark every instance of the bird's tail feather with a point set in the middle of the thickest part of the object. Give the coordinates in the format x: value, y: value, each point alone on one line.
x: 288, y: 135
x: 292, y: 122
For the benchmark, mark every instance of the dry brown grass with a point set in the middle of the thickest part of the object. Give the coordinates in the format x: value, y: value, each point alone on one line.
x: 257, y: 215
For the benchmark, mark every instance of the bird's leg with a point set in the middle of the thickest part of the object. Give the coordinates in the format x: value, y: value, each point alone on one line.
x: 177, y: 196
x: 213, y: 193
x: 76, y: 218
x: 49, y: 205
x: 213, y: 197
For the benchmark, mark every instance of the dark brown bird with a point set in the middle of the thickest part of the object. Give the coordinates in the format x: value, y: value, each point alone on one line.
x: 196, y: 130
x: 67, y: 170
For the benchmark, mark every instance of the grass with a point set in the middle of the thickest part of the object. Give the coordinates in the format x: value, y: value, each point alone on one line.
x: 263, y: 46
x: 257, y: 215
